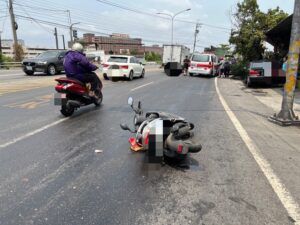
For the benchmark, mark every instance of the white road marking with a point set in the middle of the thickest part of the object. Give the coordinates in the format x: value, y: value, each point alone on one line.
x: 142, y: 86
x: 279, y: 188
x: 31, y: 133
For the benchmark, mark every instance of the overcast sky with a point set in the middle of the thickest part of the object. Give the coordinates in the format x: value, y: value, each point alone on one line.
x: 99, y: 17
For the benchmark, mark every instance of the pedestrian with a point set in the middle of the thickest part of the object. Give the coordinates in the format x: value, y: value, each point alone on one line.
x: 284, y: 65
x: 226, y: 68
x: 221, y: 71
x: 186, y: 64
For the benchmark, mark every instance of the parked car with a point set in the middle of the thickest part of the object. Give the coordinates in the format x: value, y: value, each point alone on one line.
x: 49, y: 62
x: 118, y: 66
x: 204, y: 64
x: 265, y: 72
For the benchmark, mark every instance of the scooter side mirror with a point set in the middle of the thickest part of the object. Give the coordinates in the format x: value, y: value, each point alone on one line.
x: 130, y: 101
x: 124, y: 126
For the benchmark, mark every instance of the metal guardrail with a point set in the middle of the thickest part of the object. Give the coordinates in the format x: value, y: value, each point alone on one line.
x: 7, y: 65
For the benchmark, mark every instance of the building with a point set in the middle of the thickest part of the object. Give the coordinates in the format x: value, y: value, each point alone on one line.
x: 115, y: 43
x: 10, y: 42
x: 28, y: 52
x: 280, y: 36
x: 154, y: 48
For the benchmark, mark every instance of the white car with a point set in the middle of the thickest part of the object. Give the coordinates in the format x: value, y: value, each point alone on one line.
x: 204, y: 64
x: 118, y: 66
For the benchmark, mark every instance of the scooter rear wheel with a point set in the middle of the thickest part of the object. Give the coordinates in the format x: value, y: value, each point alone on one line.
x: 67, y: 111
x: 99, y: 100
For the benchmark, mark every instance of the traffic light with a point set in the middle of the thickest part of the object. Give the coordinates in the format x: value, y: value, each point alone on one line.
x: 75, y: 34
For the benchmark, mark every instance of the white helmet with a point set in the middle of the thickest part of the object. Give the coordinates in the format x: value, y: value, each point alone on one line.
x: 77, y: 47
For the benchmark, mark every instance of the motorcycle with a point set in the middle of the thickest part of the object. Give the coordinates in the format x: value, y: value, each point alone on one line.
x: 73, y: 94
x: 161, y: 134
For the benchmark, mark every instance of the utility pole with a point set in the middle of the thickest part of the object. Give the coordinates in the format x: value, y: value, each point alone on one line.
x: 0, y: 43
x: 195, y: 38
x: 14, y: 26
x: 287, y: 116
x: 56, y: 38
x: 63, y: 39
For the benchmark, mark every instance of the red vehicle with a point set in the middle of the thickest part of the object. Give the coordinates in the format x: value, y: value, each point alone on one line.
x: 72, y: 94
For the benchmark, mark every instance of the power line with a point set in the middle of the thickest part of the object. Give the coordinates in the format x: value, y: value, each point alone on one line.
x: 155, y: 15
x: 39, y: 24
x: 40, y: 8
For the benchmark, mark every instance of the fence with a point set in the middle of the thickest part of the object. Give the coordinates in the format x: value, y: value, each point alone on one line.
x: 8, y: 65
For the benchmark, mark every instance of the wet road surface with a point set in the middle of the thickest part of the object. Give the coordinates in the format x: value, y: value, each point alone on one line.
x: 55, y: 176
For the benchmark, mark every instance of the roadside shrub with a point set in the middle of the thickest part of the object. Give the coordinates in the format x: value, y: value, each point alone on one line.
x: 240, y: 70
x: 4, y: 59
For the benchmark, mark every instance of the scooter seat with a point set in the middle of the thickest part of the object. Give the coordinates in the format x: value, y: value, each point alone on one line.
x: 69, y: 80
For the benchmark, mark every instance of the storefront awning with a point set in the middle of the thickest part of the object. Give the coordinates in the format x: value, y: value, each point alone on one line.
x: 280, y: 35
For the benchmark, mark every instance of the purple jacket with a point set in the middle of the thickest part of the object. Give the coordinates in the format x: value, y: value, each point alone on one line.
x: 76, y: 65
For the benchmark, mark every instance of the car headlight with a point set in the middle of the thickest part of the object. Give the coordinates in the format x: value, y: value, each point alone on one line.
x: 42, y: 62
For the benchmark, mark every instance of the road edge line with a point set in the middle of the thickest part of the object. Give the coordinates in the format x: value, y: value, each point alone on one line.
x: 15, y: 140
x: 279, y: 188
x: 144, y: 85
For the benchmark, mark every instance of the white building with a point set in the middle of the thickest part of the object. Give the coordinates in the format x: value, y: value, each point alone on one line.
x: 28, y: 52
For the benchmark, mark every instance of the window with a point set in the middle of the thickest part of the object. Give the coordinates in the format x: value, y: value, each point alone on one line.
x: 118, y: 59
x: 132, y: 60
x: 201, y: 58
x: 48, y: 54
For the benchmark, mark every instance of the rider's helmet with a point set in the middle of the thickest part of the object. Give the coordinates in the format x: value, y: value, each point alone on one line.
x: 77, y: 47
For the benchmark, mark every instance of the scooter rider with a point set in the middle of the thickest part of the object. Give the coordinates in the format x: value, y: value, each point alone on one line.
x: 76, y: 65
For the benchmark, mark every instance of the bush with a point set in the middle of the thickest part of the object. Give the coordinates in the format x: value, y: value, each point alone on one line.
x: 4, y: 59
x: 240, y: 70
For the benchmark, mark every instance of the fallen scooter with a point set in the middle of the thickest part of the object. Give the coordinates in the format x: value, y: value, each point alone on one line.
x: 161, y: 134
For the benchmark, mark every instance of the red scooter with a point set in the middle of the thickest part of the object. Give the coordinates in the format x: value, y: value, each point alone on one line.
x: 72, y: 94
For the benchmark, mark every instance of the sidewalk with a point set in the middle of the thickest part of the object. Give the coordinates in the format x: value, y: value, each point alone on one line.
x: 280, y: 146
x: 271, y: 97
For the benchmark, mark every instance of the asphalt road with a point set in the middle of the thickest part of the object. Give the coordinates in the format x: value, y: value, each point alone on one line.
x: 55, y: 177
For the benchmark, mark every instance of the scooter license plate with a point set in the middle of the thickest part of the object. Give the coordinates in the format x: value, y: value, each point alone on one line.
x: 59, y: 98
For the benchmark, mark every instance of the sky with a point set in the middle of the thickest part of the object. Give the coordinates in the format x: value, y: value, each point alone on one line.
x: 95, y: 16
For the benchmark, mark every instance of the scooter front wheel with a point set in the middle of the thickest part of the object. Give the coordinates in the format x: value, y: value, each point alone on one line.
x: 67, y: 111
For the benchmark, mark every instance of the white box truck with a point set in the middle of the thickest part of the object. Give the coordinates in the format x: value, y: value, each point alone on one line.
x: 179, y: 53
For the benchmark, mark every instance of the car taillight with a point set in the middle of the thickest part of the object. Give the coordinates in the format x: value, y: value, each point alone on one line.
x: 105, y: 65
x: 124, y: 67
x: 147, y: 138
x: 179, y: 149
x: 205, y: 66
x: 254, y: 73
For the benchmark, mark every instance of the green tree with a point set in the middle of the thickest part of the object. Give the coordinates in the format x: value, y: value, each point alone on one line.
x: 152, y: 56
x: 251, y: 25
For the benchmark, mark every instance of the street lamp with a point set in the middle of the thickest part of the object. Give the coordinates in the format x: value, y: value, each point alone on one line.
x: 71, y: 31
x: 172, y: 18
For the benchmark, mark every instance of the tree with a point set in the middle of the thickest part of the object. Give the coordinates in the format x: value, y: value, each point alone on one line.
x: 250, y: 27
x: 152, y: 56
x: 19, y: 52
